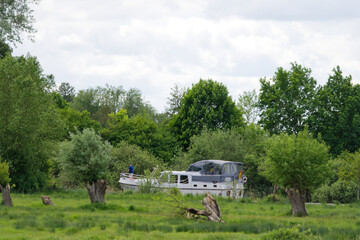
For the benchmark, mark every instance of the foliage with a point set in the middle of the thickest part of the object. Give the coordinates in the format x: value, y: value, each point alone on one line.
x: 141, y: 131
x: 15, y: 18
x: 339, y: 191
x: 4, y: 49
x: 248, y: 104
x: 66, y: 91
x: 78, y: 121
x: 286, y: 101
x: 125, y: 154
x: 86, y: 100
x: 350, y: 169
x: 85, y: 158
x: 29, y: 121
x: 322, y: 194
x: 289, y: 233
x: 4, y: 174
x: 295, y: 161
x: 174, y: 101
x: 206, y: 105
x: 337, y: 115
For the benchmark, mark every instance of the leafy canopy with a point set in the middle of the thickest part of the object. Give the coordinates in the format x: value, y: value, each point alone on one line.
x: 85, y: 158
x: 206, y: 105
x: 295, y: 161
x: 30, y: 123
x: 15, y: 18
x: 286, y: 101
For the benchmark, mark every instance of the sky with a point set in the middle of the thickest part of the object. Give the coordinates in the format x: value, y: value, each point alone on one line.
x: 153, y: 45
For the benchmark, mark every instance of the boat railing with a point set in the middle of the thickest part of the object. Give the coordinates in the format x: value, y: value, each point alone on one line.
x: 131, y: 176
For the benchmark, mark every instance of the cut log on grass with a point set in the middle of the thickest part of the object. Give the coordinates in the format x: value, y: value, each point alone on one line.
x: 46, y: 200
x: 6, y: 195
x: 212, y: 211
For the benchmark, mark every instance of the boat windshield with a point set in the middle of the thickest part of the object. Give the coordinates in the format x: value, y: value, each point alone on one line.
x: 231, y: 169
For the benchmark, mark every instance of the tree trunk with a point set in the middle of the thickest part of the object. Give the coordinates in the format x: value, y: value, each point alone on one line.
x: 97, y: 190
x: 46, y: 200
x: 297, y: 199
x: 274, y: 193
x: 358, y: 193
x: 6, y: 195
x: 213, y: 210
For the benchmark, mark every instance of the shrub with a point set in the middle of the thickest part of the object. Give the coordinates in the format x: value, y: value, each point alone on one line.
x: 340, y: 191
x: 288, y: 233
x: 343, y: 192
x: 322, y: 194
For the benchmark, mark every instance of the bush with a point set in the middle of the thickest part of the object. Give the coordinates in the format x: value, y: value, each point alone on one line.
x: 288, y: 233
x: 322, y: 194
x: 343, y: 192
x: 340, y: 191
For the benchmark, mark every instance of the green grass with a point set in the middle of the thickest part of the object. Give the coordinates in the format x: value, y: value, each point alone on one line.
x: 146, y: 216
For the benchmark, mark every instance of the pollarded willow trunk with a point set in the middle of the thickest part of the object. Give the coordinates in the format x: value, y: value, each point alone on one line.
x: 297, y: 199
x: 97, y: 190
x: 6, y: 195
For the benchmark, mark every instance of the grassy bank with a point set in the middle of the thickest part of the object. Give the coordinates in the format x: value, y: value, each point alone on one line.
x: 145, y: 216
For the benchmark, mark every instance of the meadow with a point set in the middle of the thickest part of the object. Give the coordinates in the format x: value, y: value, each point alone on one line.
x: 131, y: 215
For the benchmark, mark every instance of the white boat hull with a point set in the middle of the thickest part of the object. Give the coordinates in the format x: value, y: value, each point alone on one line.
x: 230, y: 189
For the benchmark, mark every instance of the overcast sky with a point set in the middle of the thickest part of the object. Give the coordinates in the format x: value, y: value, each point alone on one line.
x: 153, y: 45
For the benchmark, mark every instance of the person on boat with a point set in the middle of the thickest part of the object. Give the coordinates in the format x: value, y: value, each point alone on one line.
x: 131, y: 171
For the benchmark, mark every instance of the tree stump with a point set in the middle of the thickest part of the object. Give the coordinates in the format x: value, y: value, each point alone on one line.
x: 97, y: 190
x: 6, y: 195
x: 212, y: 207
x: 46, y: 200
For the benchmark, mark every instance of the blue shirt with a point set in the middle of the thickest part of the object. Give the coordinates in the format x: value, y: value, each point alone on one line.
x: 131, y: 169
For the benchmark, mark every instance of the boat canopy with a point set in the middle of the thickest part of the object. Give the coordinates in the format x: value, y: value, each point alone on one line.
x: 216, y: 167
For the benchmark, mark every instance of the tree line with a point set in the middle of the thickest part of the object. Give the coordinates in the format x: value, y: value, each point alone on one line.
x: 293, y: 134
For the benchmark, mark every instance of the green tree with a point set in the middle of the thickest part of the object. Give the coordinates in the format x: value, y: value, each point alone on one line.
x: 5, y: 183
x: 174, y: 101
x: 66, y: 91
x: 15, y: 18
x: 350, y: 169
x: 78, y: 121
x: 298, y: 164
x: 85, y: 159
x: 30, y: 123
x: 206, y: 105
x: 337, y: 115
x: 135, y: 104
x: 286, y: 101
x: 141, y: 131
x: 248, y: 103
x: 86, y: 100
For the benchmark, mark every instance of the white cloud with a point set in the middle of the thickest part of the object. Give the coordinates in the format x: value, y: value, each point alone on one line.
x: 151, y: 45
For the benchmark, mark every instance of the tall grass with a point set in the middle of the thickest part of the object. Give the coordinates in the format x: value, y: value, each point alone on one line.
x: 144, y: 216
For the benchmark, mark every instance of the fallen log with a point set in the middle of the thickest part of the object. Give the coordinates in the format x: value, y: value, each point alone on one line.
x: 212, y: 211
x: 46, y: 200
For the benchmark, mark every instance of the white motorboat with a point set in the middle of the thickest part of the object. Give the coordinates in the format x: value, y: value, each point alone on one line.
x: 217, y: 177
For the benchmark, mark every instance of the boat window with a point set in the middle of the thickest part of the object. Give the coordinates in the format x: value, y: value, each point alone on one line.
x: 215, y: 185
x: 184, y: 179
x: 195, y: 185
x: 229, y: 169
x: 205, y: 185
x: 194, y: 168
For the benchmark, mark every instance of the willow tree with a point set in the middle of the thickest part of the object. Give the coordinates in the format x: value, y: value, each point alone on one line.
x: 85, y: 159
x: 298, y: 164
